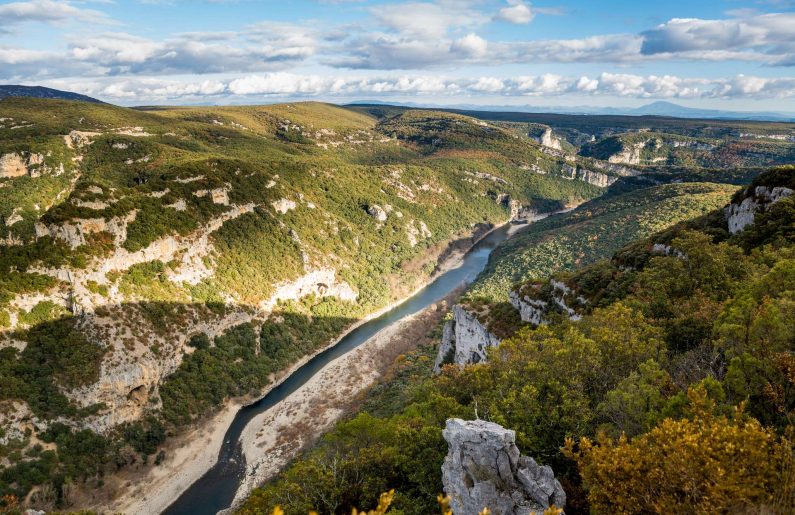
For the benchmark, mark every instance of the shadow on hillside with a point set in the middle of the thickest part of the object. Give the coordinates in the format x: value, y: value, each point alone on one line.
x: 66, y: 353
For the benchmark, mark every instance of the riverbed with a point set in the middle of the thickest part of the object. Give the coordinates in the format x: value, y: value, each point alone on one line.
x: 230, y: 477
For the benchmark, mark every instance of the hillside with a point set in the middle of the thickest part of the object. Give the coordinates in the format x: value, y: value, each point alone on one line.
x: 157, y: 263
x: 645, y: 142
x: 161, y: 265
x: 658, y: 381
x: 12, y: 90
x: 593, y: 232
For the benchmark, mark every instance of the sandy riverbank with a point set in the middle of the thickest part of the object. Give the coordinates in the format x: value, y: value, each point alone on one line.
x: 190, y: 455
x: 159, y: 486
x: 277, y: 435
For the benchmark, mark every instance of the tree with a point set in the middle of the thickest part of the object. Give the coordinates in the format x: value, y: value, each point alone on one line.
x: 705, y: 464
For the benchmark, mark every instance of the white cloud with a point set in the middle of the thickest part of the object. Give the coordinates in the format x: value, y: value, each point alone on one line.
x: 47, y: 11
x: 768, y: 36
x: 296, y: 86
x: 517, y: 12
x: 426, y: 20
x: 488, y: 84
x: 471, y: 45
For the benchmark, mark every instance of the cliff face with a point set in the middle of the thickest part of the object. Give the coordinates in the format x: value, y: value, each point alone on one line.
x: 599, y: 179
x: 534, y: 309
x: 741, y: 214
x: 464, y: 340
x: 484, y: 469
x: 548, y: 140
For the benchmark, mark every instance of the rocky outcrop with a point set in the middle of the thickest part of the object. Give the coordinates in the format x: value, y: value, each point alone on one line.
x: 693, y: 145
x: 377, y: 212
x: 78, y: 139
x: 321, y: 282
x: 484, y: 469
x: 12, y: 165
x: 630, y: 154
x: 591, y: 177
x: 741, y: 214
x: 616, y: 169
x: 221, y: 196
x: 20, y: 164
x: 534, y: 310
x: 548, y: 140
x: 416, y: 231
x: 530, y: 310
x: 283, y: 205
x: 74, y: 232
x: 464, y: 340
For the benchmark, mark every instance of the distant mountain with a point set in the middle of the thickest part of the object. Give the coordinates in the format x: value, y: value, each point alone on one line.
x: 659, y: 108
x: 670, y: 109
x: 14, y: 90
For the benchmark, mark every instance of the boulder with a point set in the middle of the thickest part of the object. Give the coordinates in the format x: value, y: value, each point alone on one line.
x: 377, y: 212
x: 484, y: 469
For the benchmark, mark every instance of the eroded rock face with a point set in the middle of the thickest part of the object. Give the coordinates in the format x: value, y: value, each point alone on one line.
x: 549, y: 140
x: 283, y: 205
x: 12, y: 165
x: 484, y: 469
x: 530, y: 310
x: 599, y: 179
x: 740, y: 215
x: 629, y: 154
x: 74, y: 232
x: 534, y: 310
x: 464, y: 340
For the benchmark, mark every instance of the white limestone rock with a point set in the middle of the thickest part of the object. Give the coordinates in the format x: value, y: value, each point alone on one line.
x: 377, y: 212
x: 283, y: 205
x: 464, y: 340
x: 742, y: 214
x: 548, y: 140
x: 579, y: 173
x: 484, y: 469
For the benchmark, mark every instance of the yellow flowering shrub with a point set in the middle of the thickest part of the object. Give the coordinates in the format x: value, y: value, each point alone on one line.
x: 706, y: 464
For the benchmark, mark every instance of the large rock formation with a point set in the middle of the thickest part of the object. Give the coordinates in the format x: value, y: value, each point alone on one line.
x: 741, y: 214
x: 548, y: 140
x: 599, y: 179
x: 484, y: 469
x: 533, y: 309
x: 464, y: 340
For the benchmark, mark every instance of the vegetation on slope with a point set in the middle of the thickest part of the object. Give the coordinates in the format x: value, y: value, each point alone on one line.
x: 202, y: 214
x: 672, y: 393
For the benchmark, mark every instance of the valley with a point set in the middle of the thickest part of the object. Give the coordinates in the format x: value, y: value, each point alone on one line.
x: 174, y: 278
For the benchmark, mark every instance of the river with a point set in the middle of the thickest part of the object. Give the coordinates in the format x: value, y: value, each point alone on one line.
x: 215, y: 490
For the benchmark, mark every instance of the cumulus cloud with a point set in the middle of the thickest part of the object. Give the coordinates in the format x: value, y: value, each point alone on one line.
x: 260, y: 48
x: 47, y: 11
x: 767, y: 36
x: 425, y: 20
x: 470, y: 45
x: 517, y: 12
x: 292, y: 85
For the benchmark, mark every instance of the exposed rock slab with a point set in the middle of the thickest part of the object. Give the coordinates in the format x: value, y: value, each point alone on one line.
x: 484, y: 469
x: 464, y: 340
x: 742, y: 214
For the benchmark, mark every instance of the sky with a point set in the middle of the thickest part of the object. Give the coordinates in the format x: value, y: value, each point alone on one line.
x: 722, y: 54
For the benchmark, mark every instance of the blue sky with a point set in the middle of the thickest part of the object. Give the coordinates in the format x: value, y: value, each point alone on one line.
x: 727, y: 54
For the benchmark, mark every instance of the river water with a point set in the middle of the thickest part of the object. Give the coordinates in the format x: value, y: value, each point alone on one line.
x: 215, y: 490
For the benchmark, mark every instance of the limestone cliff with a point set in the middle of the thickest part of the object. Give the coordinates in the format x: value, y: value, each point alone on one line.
x: 741, y: 212
x: 590, y: 176
x: 548, y: 139
x: 464, y: 340
x: 535, y: 301
x: 484, y: 469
